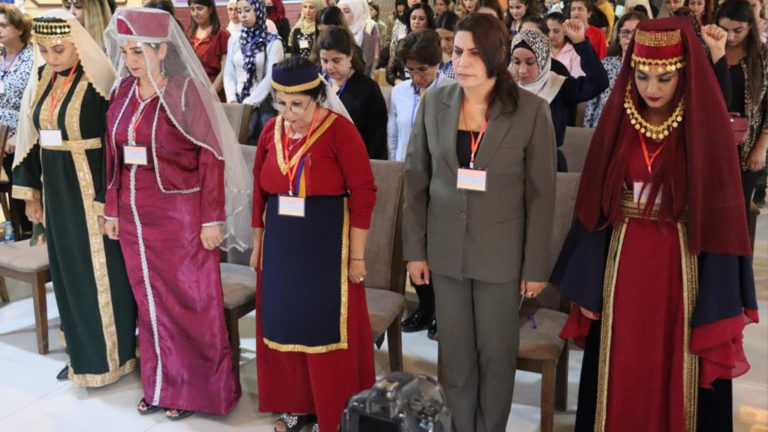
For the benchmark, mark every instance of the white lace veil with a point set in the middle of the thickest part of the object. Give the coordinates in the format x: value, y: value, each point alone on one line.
x: 189, y: 101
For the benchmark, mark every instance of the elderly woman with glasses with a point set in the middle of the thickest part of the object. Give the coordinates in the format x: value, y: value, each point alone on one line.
x: 314, y: 192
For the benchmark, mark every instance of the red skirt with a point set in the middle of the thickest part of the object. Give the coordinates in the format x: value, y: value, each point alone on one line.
x: 318, y: 383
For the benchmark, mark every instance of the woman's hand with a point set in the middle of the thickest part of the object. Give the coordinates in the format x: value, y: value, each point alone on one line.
x: 10, y: 146
x: 211, y: 236
x: 357, y: 272
x: 112, y: 229
x: 589, y: 314
x: 574, y: 30
x: 418, y: 271
x: 34, y: 211
x: 715, y: 38
x: 531, y: 289
x: 756, y: 160
x: 254, y: 261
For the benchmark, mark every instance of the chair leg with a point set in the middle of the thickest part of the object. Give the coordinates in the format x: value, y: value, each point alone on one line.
x: 395, y: 345
x: 41, y: 312
x: 234, y: 339
x: 3, y: 291
x: 561, y: 381
x: 440, y: 366
x: 547, y: 396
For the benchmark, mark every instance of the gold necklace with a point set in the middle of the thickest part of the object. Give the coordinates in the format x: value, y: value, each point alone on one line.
x: 647, y: 129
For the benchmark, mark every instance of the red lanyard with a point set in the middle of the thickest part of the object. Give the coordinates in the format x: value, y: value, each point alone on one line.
x: 474, y: 143
x: 286, y: 151
x: 56, y: 99
x: 648, y: 158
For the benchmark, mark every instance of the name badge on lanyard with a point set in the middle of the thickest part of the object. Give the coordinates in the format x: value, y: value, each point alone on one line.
x: 303, y: 44
x: 135, y: 155
x: 50, y: 138
x: 471, y: 179
x: 642, y: 191
x: 290, y: 206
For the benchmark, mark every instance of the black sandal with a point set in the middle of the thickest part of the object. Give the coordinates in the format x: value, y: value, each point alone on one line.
x: 148, y: 409
x: 180, y: 414
x: 295, y: 423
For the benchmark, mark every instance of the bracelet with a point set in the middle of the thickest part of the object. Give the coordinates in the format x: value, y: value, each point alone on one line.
x: 357, y: 259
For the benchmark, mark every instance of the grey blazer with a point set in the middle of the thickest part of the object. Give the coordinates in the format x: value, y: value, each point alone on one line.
x: 499, y: 235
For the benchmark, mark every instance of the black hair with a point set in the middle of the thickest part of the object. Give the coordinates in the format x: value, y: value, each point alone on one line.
x: 331, y: 15
x: 165, y: 5
x: 427, y: 11
x: 491, y: 4
x: 447, y: 21
x: 423, y: 47
x: 340, y: 39
x: 531, y: 9
x: 538, y: 20
x: 215, y: 23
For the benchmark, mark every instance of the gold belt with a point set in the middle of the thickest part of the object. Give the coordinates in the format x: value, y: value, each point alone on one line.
x: 75, y: 145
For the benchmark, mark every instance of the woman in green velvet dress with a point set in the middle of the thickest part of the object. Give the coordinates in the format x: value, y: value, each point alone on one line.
x: 58, y: 171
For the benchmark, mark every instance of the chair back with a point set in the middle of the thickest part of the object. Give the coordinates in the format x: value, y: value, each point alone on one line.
x: 239, y: 116
x: 384, y: 250
x: 567, y: 187
x: 575, y: 146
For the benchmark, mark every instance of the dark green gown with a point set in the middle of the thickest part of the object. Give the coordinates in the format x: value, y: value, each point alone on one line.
x: 96, y: 305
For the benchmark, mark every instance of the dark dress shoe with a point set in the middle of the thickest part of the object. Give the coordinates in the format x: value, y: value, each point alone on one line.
x: 432, y: 329
x: 416, y: 322
x: 64, y: 374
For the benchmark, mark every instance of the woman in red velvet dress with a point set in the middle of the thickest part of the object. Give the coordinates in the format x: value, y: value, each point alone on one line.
x: 313, y: 198
x: 657, y: 261
x: 171, y: 160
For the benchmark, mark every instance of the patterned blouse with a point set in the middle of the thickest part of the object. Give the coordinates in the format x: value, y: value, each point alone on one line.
x: 14, y: 82
x: 595, y: 106
x: 301, y: 43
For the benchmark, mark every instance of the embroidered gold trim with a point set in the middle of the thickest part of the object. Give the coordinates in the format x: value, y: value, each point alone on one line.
x: 690, y: 362
x: 296, y: 88
x: 98, y: 261
x: 343, y: 343
x: 77, y: 145
x: 329, y: 119
x: 50, y: 28
x: 25, y: 193
x: 606, y: 329
x: 662, y: 65
x: 98, y: 208
x: 647, y: 129
x: 100, y: 380
x: 658, y: 39
x: 75, y: 104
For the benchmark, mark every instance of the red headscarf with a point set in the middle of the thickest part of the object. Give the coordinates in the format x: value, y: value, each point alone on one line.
x: 276, y: 12
x: 699, y: 168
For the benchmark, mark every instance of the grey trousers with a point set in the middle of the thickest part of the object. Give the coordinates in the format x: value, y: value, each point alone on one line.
x: 478, y: 325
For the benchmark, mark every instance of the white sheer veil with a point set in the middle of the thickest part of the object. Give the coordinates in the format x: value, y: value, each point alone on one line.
x: 189, y: 101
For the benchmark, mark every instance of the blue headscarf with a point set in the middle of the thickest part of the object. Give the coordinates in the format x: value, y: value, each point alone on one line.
x: 254, y: 40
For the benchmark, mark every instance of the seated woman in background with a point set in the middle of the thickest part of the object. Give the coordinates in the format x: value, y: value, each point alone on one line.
x: 419, y: 19
x: 562, y: 48
x: 304, y: 33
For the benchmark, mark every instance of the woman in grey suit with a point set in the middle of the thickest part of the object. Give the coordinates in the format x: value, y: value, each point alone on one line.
x: 479, y: 205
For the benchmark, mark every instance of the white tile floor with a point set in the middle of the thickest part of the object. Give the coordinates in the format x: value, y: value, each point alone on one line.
x: 32, y: 400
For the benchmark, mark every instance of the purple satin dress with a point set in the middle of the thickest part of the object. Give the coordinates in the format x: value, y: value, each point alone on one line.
x: 161, y: 206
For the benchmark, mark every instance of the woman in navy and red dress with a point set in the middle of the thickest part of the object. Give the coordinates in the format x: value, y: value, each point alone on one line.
x: 657, y: 261
x: 313, y: 197
x: 171, y: 176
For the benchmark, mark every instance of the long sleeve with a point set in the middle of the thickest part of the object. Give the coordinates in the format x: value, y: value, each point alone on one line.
x: 392, y: 128
x: 375, y: 132
x: 357, y: 173
x: 539, y: 198
x: 259, y: 93
x: 230, y: 70
x: 212, y: 195
x: 369, y: 53
x: 577, y: 90
x: 113, y: 167
x: 259, y: 194
x: 27, y: 177
x: 723, y: 78
x: 416, y: 179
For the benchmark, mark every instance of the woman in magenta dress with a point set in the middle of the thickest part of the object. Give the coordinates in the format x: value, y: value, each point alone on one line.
x: 313, y: 197
x: 168, y: 149
x: 657, y: 261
